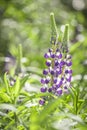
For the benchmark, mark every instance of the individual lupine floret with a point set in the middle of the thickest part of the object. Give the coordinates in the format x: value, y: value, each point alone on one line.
x: 58, y: 74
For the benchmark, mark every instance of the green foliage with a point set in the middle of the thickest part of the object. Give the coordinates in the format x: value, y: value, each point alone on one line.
x: 24, y: 27
x: 19, y: 109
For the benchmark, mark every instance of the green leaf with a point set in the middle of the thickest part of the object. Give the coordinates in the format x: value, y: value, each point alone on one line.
x: 23, y: 80
x: 74, y: 47
x: 17, y: 87
x: 5, y: 97
x: 51, y: 106
x: 7, y: 83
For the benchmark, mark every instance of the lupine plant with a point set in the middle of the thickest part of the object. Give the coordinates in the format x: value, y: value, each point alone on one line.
x: 58, y: 105
x: 58, y: 73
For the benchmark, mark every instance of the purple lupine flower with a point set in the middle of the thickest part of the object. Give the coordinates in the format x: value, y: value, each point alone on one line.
x: 48, y: 63
x: 62, y: 78
x: 58, y: 75
x: 43, y: 89
x: 52, y: 55
x: 65, y: 87
x: 41, y: 102
x: 59, y: 91
x: 49, y: 89
x: 58, y: 55
x: 52, y: 71
x: 69, y: 79
x: 70, y: 71
x: 47, y: 55
x: 69, y: 63
x: 43, y: 80
x: 62, y: 63
x: 50, y: 50
x: 56, y: 63
x: 57, y: 85
x: 58, y: 72
x: 47, y: 81
x: 55, y: 80
x: 66, y: 71
x: 45, y: 71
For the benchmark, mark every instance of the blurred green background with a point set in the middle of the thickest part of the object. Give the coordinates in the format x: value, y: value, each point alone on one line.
x: 27, y: 22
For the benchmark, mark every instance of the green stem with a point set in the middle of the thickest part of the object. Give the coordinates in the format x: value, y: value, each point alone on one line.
x: 76, y: 106
x: 19, y: 66
x: 54, y: 47
x: 54, y: 38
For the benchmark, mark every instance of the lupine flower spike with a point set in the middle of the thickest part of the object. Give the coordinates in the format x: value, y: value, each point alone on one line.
x: 57, y: 76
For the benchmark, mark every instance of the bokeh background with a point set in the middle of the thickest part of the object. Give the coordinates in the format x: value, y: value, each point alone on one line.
x: 27, y: 22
